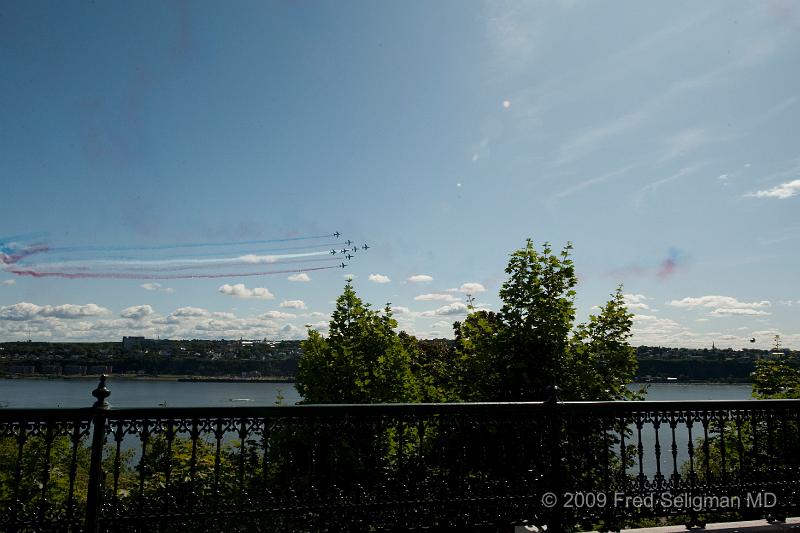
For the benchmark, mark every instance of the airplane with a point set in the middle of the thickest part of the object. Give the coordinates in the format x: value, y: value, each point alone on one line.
x: 349, y: 257
x: 333, y: 252
x: 342, y: 265
x: 354, y: 249
x: 348, y: 242
x: 365, y: 247
x: 336, y: 234
x: 344, y: 250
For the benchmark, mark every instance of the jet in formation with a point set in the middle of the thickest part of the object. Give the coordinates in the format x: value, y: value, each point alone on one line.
x: 336, y: 234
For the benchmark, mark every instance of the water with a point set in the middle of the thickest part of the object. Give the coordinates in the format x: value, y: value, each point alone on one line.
x: 47, y: 393
x: 697, y: 391
x: 140, y: 393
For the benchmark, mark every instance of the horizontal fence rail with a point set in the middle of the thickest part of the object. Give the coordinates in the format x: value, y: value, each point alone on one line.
x: 566, y: 465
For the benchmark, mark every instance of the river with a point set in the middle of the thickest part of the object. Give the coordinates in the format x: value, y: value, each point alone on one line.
x: 143, y: 393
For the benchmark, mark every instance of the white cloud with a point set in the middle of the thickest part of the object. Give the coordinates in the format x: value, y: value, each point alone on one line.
x: 436, y: 297
x: 456, y: 308
x: 420, y: 278
x: 277, y: 315
x: 240, y: 291
x: 400, y: 310
x: 293, y: 304
x: 8, y: 282
x: 379, y: 278
x: 321, y: 326
x: 191, y: 312
x: 28, y: 311
x: 635, y: 301
x: 737, y: 311
x: 302, y: 276
x: 781, y: 192
x: 472, y: 287
x: 137, y: 312
x: 156, y: 287
x: 26, y: 320
x: 726, y: 302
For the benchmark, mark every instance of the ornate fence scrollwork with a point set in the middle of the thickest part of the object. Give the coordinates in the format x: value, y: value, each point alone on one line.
x: 396, y: 467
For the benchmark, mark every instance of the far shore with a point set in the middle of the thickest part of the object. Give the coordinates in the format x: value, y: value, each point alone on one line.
x: 288, y: 379
x: 181, y: 378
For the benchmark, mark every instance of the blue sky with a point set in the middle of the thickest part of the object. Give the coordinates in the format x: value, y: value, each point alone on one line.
x: 660, y: 139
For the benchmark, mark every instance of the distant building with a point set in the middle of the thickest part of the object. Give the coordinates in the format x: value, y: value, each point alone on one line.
x: 22, y: 369
x: 52, y: 370
x: 74, y: 370
x: 96, y: 370
x: 130, y: 343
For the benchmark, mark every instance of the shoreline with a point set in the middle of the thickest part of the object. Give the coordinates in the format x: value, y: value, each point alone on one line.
x: 282, y: 379
x: 176, y: 378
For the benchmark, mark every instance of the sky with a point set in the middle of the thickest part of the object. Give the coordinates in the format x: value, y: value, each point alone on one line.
x: 660, y: 139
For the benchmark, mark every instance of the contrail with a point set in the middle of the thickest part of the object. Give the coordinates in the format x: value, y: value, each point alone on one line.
x: 132, y: 275
x: 134, y: 247
x: 325, y: 246
x: 175, y: 266
x: 169, y: 263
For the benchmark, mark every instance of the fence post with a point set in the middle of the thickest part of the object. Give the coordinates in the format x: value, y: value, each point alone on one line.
x: 94, y: 497
x: 556, y: 522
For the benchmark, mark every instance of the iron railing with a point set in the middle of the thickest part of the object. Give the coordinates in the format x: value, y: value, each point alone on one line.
x: 396, y: 467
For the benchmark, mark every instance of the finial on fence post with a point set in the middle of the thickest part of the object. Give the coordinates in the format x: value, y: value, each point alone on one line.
x: 101, y: 393
x: 94, y: 491
x: 552, y: 394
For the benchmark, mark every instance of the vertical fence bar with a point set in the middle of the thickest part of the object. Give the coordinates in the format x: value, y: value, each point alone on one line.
x: 556, y: 522
x: 94, y: 492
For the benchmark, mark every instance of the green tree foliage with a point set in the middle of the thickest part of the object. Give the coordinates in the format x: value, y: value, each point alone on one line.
x: 532, y: 343
x: 776, y: 377
x: 600, y: 362
x: 362, y: 360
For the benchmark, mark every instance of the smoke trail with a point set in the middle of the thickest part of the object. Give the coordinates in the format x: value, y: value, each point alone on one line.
x: 157, y: 264
x: 132, y: 275
x: 133, y: 247
x: 326, y: 246
x: 160, y: 267
x: 15, y: 255
x: 96, y: 264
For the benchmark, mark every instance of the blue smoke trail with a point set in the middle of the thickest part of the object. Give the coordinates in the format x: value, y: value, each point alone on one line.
x: 122, y: 248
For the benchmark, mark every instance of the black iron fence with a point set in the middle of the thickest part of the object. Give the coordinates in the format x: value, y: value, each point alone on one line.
x: 396, y: 467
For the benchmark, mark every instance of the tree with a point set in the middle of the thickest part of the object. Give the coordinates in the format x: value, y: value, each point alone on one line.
x: 600, y: 362
x: 532, y: 343
x: 363, y: 360
x: 776, y: 377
